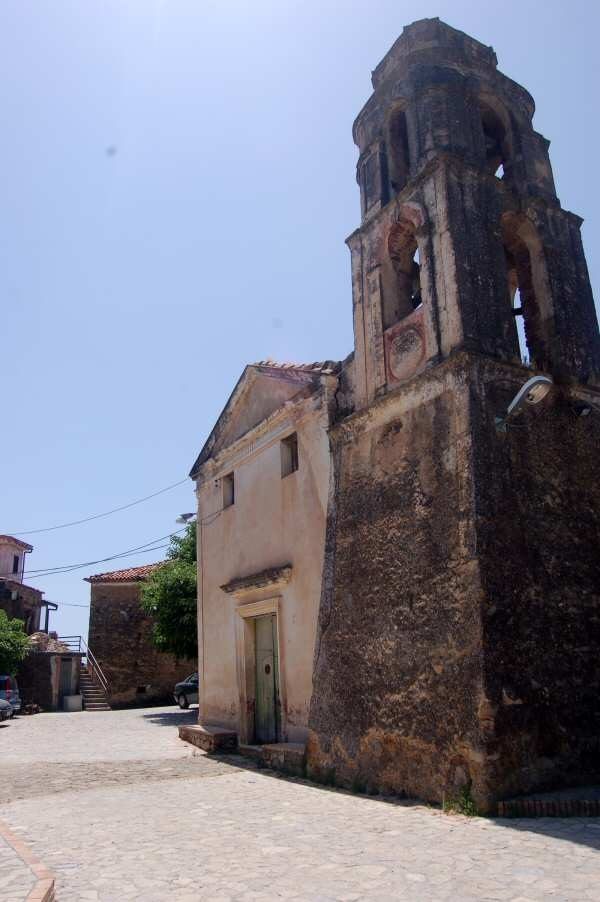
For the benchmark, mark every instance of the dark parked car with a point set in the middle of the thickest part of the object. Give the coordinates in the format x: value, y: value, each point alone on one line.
x: 186, y: 692
x: 6, y: 710
x: 9, y: 691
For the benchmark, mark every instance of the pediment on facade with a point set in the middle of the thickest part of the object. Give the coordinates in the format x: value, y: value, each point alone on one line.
x: 262, y: 390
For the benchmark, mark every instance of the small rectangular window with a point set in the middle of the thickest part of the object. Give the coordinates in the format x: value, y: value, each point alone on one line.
x: 228, y: 490
x: 15, y: 563
x: 289, y: 455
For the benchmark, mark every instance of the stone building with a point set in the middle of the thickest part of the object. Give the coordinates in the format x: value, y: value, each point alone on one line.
x: 459, y: 618
x: 50, y: 673
x: 120, y: 637
x: 17, y: 599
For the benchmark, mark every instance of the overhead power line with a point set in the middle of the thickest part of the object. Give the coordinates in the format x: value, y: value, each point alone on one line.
x: 57, y: 571
x: 69, y: 604
x: 67, y: 568
x: 115, y: 510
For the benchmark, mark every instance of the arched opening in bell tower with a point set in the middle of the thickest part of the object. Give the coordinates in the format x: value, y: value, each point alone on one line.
x: 402, y: 290
x: 522, y: 252
x: 496, y: 136
x: 398, y: 151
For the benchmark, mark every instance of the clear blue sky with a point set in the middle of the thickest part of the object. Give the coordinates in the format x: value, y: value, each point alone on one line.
x: 136, y: 285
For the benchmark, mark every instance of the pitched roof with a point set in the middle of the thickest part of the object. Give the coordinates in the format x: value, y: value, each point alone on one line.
x: 131, y: 575
x: 298, y: 376
x: 10, y: 540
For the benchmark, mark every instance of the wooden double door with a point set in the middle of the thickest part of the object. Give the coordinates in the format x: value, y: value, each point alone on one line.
x: 267, y: 718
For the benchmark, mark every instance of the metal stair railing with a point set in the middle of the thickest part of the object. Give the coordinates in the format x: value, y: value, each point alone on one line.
x: 79, y: 645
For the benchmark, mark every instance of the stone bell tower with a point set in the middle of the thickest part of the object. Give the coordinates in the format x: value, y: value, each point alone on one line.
x: 459, y: 628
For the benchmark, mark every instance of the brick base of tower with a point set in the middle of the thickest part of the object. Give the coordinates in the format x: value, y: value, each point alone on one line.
x: 459, y: 631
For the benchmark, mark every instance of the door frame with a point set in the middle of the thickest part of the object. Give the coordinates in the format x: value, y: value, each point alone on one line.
x: 246, y: 665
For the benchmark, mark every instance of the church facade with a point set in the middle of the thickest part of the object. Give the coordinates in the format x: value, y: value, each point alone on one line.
x: 455, y: 638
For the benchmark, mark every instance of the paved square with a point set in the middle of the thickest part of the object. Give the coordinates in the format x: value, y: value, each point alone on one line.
x: 120, y: 809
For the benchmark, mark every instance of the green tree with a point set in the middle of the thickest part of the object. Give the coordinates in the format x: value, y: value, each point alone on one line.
x: 14, y: 643
x: 169, y: 597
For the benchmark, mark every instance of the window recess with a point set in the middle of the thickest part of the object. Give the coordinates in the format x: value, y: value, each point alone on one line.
x: 289, y: 455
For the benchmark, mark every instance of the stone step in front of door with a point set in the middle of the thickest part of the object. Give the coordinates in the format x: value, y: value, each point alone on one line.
x: 286, y: 757
x: 208, y: 738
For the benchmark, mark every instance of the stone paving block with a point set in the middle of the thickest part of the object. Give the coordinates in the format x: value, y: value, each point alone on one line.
x: 159, y: 820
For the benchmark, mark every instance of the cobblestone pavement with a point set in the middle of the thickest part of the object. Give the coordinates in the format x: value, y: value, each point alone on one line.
x: 16, y: 879
x: 122, y: 810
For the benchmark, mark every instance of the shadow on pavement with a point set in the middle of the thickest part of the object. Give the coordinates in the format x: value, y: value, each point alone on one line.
x: 174, y: 718
x: 579, y: 830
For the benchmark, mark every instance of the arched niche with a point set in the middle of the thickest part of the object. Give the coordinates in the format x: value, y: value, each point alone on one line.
x: 402, y: 284
x: 398, y: 151
x: 528, y: 289
x: 497, y: 136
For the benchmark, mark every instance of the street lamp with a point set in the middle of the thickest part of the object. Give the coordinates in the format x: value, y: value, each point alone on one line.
x: 184, y: 518
x: 532, y: 392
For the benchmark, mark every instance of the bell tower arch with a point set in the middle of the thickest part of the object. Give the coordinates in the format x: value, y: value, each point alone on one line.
x: 447, y: 134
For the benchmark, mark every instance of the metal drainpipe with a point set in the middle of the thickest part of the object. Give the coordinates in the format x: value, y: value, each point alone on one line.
x: 49, y: 604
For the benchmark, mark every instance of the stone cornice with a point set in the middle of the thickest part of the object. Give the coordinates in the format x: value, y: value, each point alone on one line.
x: 271, y: 578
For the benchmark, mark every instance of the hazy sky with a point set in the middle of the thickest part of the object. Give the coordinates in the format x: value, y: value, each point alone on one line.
x: 178, y: 179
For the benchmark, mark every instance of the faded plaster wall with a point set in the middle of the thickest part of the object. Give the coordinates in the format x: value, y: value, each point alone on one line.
x: 7, y: 553
x: 274, y: 521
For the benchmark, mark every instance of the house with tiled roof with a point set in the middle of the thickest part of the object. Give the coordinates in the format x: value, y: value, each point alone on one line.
x: 263, y: 482
x: 120, y: 634
x: 16, y: 598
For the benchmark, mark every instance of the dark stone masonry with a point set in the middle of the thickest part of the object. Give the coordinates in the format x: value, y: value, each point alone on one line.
x: 459, y: 629
x: 120, y: 637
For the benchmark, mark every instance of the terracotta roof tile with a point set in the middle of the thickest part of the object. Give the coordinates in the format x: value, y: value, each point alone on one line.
x: 131, y: 575
x: 324, y: 367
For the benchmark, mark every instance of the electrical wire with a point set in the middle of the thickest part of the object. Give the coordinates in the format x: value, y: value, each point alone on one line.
x: 67, y: 568
x: 115, y: 510
x: 111, y: 557
x: 92, y: 563
x: 68, y: 604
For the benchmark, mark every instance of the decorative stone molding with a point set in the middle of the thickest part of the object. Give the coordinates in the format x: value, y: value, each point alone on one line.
x: 405, y: 348
x: 272, y: 578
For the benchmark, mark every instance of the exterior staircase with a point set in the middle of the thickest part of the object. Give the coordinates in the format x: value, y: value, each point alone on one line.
x: 94, y: 696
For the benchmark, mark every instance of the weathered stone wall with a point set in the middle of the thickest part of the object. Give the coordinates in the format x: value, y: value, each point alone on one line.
x: 37, y: 682
x: 40, y: 678
x: 459, y: 632
x: 459, y: 627
x: 26, y: 606
x: 398, y: 670
x: 120, y: 637
x: 537, y: 501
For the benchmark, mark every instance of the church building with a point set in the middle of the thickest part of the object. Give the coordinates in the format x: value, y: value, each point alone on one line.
x: 400, y: 553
